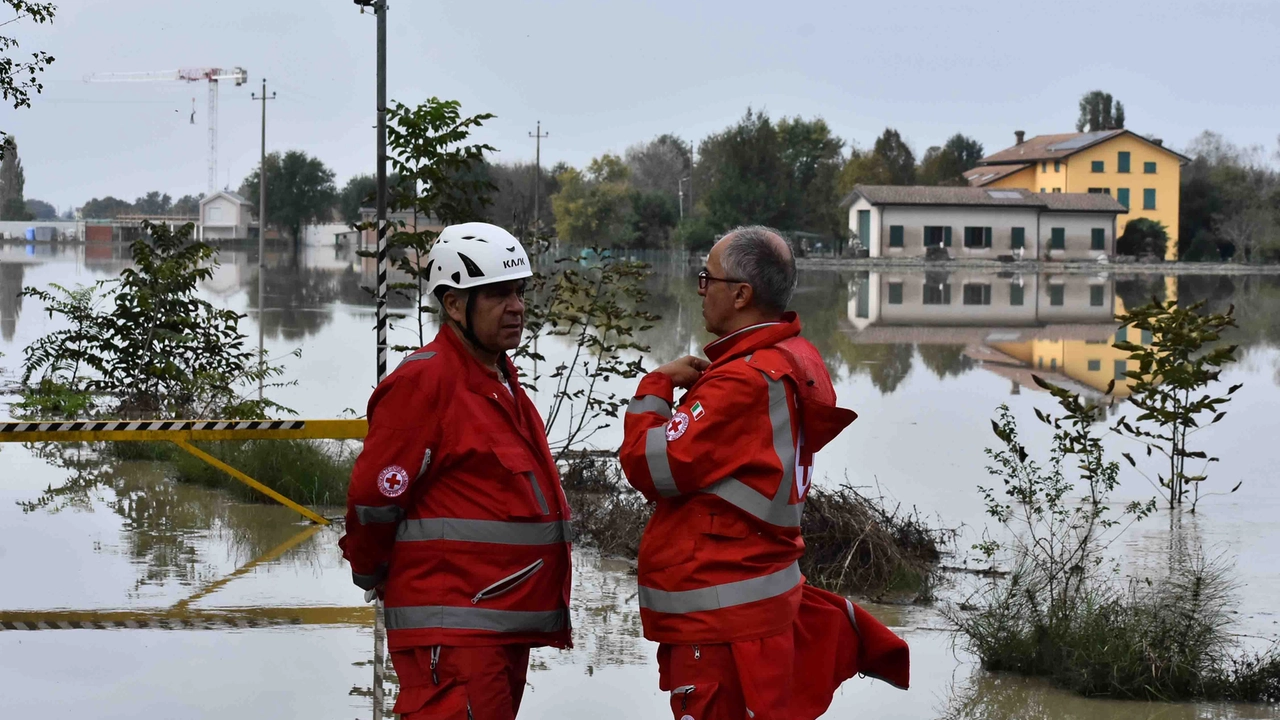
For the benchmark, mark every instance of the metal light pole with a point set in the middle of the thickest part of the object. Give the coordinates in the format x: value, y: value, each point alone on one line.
x: 262, y: 228
x: 379, y: 8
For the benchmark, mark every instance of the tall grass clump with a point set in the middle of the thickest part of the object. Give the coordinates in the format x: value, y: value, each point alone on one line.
x: 310, y: 472
x: 1065, y: 615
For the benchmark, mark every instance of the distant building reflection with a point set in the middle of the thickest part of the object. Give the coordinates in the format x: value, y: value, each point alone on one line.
x: 1060, y: 327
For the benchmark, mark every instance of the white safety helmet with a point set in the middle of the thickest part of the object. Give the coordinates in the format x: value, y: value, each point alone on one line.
x: 474, y: 254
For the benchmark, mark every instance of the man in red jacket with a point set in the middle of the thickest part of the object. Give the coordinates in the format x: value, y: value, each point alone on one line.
x: 455, y: 514
x: 741, y: 635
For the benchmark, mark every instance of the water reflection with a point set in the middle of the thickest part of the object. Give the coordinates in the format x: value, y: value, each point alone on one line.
x: 1007, y: 697
x: 166, y: 526
x: 939, y: 349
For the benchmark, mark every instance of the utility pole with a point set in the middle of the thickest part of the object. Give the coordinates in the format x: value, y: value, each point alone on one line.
x: 537, y: 177
x: 380, y: 9
x: 262, y: 227
x: 692, y: 152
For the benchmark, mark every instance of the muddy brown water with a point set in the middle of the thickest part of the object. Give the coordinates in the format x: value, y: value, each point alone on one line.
x: 147, y: 597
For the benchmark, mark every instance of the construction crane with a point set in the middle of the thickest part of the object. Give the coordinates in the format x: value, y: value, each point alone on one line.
x: 212, y: 75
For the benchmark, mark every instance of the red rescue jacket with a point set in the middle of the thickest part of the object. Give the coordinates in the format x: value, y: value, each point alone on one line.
x: 455, y: 504
x: 729, y: 468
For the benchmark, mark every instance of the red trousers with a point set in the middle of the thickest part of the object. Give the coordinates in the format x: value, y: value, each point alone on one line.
x: 789, y: 676
x: 727, y: 681
x: 467, y: 683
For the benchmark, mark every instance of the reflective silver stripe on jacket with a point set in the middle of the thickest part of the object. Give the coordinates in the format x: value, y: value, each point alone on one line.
x: 370, y: 514
x: 537, y: 494
x: 721, y: 596
x: 655, y: 453
x: 427, y: 355
x: 777, y: 510
x: 472, y: 618
x: 485, y: 531
x: 740, y: 495
x: 649, y: 403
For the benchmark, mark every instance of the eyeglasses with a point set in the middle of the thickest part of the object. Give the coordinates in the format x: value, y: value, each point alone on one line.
x: 705, y: 278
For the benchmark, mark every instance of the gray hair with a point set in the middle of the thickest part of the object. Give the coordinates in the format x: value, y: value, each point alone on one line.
x: 754, y: 257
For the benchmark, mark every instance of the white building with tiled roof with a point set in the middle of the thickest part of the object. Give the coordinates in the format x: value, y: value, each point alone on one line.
x: 982, y: 223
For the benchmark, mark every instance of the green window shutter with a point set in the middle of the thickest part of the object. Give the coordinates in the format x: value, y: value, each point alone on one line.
x: 1099, y: 239
x: 1015, y: 294
x: 1149, y: 199
x: 946, y: 236
x: 1097, y: 295
x: 1146, y: 337
x: 1057, y: 294
x: 1122, y: 335
x: 1044, y: 167
x: 986, y: 237
x: 1123, y: 196
x: 1149, y: 168
x: 895, y: 293
x: 1099, y: 166
x: 1122, y: 162
x: 1057, y: 166
x: 1058, y: 239
x: 1019, y: 239
x: 895, y: 236
x: 1095, y: 365
x: 1121, y: 367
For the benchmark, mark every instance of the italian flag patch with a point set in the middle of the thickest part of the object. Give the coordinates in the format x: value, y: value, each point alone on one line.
x: 697, y: 411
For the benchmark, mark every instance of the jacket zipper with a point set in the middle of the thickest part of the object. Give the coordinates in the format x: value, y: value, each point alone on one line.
x: 508, y: 583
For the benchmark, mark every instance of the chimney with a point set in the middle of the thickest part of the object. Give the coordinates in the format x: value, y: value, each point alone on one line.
x: 1021, y: 135
x: 1158, y: 141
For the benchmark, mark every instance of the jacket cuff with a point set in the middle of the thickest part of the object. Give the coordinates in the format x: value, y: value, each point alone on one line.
x: 659, y: 384
x: 369, y: 582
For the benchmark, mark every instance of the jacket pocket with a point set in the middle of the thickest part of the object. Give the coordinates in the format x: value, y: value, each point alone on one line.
x: 726, y: 526
x: 693, y: 702
x: 526, y: 496
x: 509, y: 583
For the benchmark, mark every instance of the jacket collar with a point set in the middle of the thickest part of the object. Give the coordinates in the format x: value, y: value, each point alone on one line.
x: 450, y: 337
x: 752, y: 338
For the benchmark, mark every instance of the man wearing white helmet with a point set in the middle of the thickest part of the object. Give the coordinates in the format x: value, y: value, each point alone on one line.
x: 455, y: 514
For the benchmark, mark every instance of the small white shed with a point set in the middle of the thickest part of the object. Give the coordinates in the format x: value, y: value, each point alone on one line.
x: 224, y: 216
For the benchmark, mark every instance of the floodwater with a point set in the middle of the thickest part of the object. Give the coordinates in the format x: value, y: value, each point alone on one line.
x: 144, y: 597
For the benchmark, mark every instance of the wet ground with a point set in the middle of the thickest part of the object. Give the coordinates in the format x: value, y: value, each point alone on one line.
x: 134, y: 592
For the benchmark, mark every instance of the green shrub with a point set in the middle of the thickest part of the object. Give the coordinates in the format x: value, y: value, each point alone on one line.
x: 1143, y: 238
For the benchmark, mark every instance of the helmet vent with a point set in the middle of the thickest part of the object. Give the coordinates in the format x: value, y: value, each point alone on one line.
x: 457, y: 278
x: 430, y: 265
x: 473, y: 270
x: 468, y: 237
x: 511, y: 249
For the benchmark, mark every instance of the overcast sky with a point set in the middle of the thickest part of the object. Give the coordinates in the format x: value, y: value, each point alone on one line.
x: 604, y: 75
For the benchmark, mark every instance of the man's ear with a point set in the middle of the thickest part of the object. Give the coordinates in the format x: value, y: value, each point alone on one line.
x: 455, y: 306
x: 742, y: 296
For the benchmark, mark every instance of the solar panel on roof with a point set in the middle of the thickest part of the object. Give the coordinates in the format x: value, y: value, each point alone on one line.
x: 1005, y: 194
x: 1076, y: 143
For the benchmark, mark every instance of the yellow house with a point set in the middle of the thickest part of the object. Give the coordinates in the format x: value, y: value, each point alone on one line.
x: 1142, y: 174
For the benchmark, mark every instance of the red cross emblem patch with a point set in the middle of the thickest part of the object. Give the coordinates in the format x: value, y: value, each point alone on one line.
x: 677, y: 426
x: 393, y: 481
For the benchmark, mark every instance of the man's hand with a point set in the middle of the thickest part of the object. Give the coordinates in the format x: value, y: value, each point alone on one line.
x: 685, y: 371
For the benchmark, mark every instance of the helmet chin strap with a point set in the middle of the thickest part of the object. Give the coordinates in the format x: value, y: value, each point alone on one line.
x: 466, y: 329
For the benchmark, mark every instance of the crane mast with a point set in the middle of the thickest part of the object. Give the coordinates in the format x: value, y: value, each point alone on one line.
x: 238, y: 75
